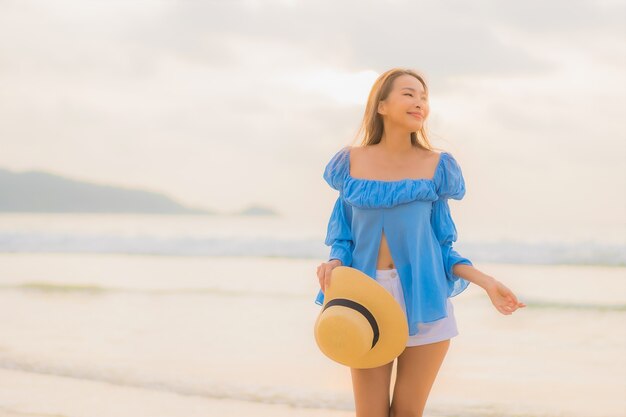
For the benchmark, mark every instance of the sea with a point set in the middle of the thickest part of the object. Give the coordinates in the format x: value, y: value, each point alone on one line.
x: 197, y: 315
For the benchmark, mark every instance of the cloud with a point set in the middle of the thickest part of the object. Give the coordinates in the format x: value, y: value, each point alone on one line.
x: 201, y: 99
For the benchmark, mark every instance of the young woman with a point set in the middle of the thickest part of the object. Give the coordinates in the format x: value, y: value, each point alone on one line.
x: 392, y: 221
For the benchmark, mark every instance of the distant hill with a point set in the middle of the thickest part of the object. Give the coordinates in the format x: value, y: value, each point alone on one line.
x: 257, y: 211
x: 41, y: 192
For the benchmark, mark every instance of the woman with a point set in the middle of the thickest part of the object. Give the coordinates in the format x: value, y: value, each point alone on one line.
x: 392, y: 221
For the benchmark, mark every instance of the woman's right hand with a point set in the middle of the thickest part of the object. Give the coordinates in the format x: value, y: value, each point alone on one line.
x: 324, y: 270
x: 503, y: 298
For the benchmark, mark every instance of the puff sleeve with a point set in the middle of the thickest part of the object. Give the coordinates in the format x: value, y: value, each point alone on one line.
x: 338, y: 233
x: 450, y: 184
x: 338, y: 169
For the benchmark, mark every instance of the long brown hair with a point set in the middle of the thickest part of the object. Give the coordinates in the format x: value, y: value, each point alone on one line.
x: 371, y: 129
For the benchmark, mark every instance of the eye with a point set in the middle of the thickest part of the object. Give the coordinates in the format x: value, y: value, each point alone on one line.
x: 409, y: 94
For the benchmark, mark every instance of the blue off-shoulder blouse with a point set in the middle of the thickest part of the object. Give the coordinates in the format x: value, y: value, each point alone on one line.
x: 415, y: 217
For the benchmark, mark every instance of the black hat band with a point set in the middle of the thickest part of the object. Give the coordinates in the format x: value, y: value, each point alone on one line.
x: 361, y: 309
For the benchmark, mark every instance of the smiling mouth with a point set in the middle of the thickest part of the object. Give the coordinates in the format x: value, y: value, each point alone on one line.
x: 417, y: 115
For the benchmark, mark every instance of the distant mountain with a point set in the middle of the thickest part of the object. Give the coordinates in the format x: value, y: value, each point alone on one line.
x: 258, y: 211
x: 41, y: 192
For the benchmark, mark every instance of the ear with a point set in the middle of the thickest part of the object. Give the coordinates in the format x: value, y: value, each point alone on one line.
x: 381, y: 107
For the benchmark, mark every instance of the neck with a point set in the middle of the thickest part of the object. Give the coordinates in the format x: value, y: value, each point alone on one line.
x: 396, y: 141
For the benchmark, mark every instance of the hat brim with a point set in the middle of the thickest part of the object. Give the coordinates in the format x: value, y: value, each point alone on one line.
x: 353, y: 284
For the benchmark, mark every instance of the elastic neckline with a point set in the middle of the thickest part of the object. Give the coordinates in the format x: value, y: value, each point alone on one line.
x: 348, y: 151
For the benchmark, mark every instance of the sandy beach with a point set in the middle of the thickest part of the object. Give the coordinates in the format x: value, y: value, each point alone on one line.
x: 118, y: 336
x: 27, y: 394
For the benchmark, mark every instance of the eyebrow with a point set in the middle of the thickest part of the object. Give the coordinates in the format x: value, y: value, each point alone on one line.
x: 409, y: 88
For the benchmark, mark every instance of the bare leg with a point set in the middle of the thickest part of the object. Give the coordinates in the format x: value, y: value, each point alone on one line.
x: 372, y: 390
x: 417, y: 369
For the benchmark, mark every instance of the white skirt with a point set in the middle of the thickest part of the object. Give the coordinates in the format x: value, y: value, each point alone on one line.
x: 432, y: 332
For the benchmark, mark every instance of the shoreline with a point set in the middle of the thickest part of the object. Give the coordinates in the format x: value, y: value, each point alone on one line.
x: 37, y: 395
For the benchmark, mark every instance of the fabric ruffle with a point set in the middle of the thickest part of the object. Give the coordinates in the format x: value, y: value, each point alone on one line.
x: 447, y: 182
x: 384, y: 194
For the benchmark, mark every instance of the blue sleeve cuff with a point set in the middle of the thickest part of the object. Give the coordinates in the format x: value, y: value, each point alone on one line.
x: 456, y: 284
x: 319, y: 300
x: 342, y: 250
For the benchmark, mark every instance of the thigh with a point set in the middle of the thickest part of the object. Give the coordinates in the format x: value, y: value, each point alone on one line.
x: 416, y: 372
x: 371, y: 390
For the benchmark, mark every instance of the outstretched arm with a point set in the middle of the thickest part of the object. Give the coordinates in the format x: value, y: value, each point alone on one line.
x: 501, y: 297
x: 460, y: 271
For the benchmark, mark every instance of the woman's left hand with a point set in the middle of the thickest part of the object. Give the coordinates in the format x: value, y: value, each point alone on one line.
x: 503, y: 298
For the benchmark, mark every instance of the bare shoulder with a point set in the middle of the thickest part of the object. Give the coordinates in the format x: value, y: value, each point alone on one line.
x: 356, y: 152
x: 357, y: 149
x: 428, y: 154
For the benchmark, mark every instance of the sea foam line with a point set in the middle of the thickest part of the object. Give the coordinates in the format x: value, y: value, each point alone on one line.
x: 95, y: 290
x: 540, y: 253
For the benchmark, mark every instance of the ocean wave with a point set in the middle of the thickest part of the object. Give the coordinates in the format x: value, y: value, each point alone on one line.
x: 90, y: 289
x: 543, y: 253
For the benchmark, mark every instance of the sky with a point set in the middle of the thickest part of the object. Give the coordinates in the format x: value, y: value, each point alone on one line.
x: 226, y: 104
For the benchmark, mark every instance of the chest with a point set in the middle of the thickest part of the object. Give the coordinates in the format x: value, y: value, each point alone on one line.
x: 365, y: 165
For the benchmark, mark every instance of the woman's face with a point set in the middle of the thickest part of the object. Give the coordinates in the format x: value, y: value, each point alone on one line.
x: 407, y: 104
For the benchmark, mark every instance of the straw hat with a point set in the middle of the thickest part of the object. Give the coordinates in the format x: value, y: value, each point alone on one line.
x: 361, y: 325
